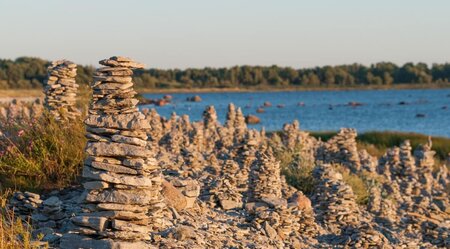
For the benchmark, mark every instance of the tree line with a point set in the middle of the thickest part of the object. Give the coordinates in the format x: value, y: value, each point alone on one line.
x: 28, y: 72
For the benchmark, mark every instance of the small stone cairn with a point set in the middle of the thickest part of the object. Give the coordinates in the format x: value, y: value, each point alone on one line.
x: 61, y: 90
x: 123, y: 202
x: 24, y: 203
x: 341, y: 149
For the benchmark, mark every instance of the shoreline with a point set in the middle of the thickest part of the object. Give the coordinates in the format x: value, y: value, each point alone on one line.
x: 38, y: 93
x: 294, y: 89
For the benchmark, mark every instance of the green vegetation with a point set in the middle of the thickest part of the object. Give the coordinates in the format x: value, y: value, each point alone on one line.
x: 358, y: 183
x: 41, y: 154
x: 376, y: 142
x: 298, y: 173
x: 27, y: 72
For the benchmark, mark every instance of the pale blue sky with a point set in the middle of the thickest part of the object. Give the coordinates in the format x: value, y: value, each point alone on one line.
x: 193, y: 33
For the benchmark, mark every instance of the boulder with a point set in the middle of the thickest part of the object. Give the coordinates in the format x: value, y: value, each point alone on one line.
x: 173, y: 197
x: 252, y: 119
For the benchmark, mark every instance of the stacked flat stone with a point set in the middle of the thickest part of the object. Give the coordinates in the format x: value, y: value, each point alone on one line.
x: 374, y: 205
x: 174, y: 140
x: 61, y: 90
x: 123, y: 202
x: 185, y: 124
x: 240, y: 127
x: 210, y: 124
x: 188, y: 187
x: 335, y: 202
x: 245, y: 155
x: 443, y: 176
x: 424, y: 158
x: 24, y: 204
x: 267, y: 176
x: 407, y: 162
x: 21, y: 111
x: 231, y: 117
x: 365, y: 236
x: 226, y: 132
x: 273, y: 212
x: 389, y: 163
x: 226, y: 187
x: 290, y: 135
x: 342, y: 149
x: 155, y: 132
x: 197, y: 138
x: 368, y: 163
x: 50, y: 214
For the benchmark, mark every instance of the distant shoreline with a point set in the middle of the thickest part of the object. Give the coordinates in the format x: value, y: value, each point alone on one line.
x: 25, y: 93
x: 293, y: 89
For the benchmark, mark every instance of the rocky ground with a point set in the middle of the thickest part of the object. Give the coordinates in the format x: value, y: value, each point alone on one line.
x: 210, y: 185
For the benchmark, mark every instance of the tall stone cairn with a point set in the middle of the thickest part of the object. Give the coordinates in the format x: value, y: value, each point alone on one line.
x: 61, y: 90
x: 267, y: 182
x: 210, y: 124
x: 240, y: 127
x: 335, y: 202
x: 122, y: 184
x: 341, y: 149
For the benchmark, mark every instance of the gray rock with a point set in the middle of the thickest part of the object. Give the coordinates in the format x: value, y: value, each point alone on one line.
x: 115, y: 149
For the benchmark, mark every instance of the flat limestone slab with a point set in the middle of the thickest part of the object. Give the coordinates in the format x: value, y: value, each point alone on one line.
x: 129, y: 121
x: 115, y: 150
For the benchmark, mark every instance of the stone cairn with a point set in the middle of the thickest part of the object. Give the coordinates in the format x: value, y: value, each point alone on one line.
x: 16, y: 110
x: 341, y: 149
x: 210, y: 128
x: 279, y: 219
x: 336, y: 208
x: 24, y: 203
x: 123, y: 202
x: 226, y: 187
x: 50, y: 214
x: 334, y: 200
x: 61, y: 90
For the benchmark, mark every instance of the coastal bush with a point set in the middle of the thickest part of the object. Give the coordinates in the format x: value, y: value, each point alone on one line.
x: 40, y: 154
x: 298, y: 172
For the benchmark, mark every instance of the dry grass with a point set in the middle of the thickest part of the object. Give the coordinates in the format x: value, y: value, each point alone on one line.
x: 14, y: 233
x: 41, y: 154
x: 358, y: 183
x: 14, y: 93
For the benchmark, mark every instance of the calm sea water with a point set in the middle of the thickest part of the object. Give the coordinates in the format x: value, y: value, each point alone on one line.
x: 422, y: 111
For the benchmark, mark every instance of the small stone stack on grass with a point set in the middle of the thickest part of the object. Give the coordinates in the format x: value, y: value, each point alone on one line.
x: 61, y: 90
x: 123, y: 200
x: 24, y: 203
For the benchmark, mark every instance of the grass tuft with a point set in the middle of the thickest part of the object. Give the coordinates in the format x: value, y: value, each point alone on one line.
x: 40, y: 154
x: 15, y: 233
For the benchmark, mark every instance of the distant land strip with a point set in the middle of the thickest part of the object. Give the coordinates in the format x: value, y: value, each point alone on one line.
x: 30, y: 73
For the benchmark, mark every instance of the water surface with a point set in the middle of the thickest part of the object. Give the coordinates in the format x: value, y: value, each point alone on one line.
x: 421, y: 111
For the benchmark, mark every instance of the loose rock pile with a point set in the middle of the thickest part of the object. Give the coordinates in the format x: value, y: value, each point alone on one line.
x: 61, y: 90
